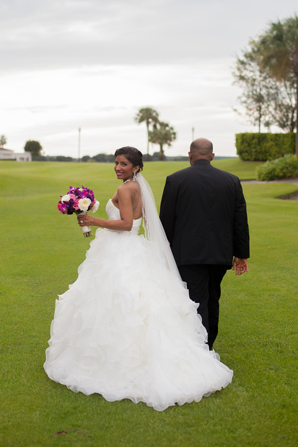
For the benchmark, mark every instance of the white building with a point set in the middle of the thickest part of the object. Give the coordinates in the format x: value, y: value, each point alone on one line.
x: 8, y: 154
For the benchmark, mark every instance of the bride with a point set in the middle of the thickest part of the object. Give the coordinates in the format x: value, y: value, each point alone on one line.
x: 126, y: 328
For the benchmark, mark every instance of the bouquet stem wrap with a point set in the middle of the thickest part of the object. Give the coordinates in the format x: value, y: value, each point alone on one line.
x: 85, y: 229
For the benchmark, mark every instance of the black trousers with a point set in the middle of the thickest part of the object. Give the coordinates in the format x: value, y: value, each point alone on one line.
x: 203, y: 283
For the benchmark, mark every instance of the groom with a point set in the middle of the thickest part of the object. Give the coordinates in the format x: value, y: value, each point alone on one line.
x: 203, y: 212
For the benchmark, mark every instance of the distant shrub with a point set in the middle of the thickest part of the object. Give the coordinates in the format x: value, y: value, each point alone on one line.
x: 39, y: 158
x: 63, y: 158
x: 104, y: 158
x: 264, y: 146
x: 284, y: 167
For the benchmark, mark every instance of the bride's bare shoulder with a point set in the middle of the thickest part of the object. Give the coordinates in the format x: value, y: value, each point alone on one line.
x: 131, y: 187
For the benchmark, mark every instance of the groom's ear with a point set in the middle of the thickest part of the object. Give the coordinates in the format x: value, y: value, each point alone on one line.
x: 190, y: 157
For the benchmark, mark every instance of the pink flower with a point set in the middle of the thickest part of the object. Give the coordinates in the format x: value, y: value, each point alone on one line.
x: 62, y: 207
x: 76, y: 204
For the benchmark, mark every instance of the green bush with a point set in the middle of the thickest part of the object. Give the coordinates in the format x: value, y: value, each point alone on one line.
x: 264, y: 146
x: 283, y: 167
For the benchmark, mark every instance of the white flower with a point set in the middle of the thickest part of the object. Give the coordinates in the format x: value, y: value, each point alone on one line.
x: 65, y: 198
x: 84, y: 204
x: 94, y: 208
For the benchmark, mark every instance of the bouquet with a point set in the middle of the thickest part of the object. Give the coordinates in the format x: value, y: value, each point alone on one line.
x: 78, y: 201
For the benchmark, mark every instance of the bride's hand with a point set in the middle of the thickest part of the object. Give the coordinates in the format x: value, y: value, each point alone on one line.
x: 85, y: 220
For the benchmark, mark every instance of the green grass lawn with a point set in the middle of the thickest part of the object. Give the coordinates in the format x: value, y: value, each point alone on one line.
x: 40, y: 253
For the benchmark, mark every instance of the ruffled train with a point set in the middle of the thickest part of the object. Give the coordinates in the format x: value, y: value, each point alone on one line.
x: 127, y: 329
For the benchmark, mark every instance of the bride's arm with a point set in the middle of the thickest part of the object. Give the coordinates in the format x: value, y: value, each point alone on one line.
x: 126, y: 213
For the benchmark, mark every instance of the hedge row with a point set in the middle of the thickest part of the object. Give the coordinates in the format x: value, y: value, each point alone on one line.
x: 264, y: 146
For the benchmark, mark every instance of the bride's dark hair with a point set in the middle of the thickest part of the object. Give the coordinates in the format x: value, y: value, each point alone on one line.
x: 132, y: 154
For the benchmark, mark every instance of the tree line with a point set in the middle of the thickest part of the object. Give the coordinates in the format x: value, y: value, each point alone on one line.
x: 267, y: 72
x: 158, y: 132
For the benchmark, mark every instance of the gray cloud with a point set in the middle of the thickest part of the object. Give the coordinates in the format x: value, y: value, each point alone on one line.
x: 44, y: 34
x: 93, y: 63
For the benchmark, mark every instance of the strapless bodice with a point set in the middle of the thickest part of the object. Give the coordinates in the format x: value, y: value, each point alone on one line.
x: 114, y: 214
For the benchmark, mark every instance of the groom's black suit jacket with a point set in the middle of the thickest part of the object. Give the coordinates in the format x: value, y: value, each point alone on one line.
x: 203, y: 212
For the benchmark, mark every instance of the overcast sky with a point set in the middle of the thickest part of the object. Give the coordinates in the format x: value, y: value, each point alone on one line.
x: 91, y: 64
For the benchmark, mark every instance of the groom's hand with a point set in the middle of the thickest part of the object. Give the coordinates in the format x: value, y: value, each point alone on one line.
x: 240, y: 266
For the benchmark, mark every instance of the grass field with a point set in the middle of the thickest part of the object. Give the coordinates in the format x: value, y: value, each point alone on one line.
x: 40, y: 253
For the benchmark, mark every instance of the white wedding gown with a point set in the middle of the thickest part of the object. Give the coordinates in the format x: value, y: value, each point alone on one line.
x: 126, y: 328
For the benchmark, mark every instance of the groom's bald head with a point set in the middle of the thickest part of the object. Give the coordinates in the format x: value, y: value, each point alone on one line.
x: 201, y: 149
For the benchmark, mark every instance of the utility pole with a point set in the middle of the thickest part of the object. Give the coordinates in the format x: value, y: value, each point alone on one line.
x: 79, y: 144
x: 193, y: 133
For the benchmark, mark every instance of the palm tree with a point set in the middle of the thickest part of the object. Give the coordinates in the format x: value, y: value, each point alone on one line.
x: 162, y: 134
x: 150, y: 116
x: 278, y: 49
